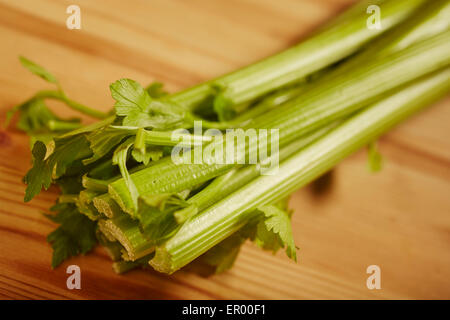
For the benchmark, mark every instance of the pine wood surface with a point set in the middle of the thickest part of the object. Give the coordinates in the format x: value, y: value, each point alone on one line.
x: 398, y: 218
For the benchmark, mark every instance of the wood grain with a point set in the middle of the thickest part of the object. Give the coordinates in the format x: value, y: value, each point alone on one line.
x: 398, y: 219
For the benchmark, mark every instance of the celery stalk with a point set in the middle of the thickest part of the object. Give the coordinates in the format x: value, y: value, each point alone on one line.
x: 324, y: 48
x: 325, y: 101
x: 123, y: 228
x: 228, y: 183
x: 227, y: 216
x: 126, y: 231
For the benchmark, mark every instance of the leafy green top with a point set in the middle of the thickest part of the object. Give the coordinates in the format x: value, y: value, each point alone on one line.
x: 38, y: 70
x: 139, y: 110
x: 74, y: 236
x: 39, y: 176
x: 66, y: 153
x: 275, y: 231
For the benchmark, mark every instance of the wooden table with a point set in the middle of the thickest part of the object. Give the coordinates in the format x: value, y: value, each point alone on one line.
x: 398, y: 219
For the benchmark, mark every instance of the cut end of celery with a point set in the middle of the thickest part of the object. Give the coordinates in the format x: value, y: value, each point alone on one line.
x: 106, y: 205
x: 105, y: 231
x: 103, y: 207
x: 161, y: 262
x: 111, y: 231
x: 115, y: 195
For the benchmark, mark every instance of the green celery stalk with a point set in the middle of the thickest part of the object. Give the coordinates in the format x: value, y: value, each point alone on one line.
x: 85, y: 206
x: 164, y: 138
x: 112, y: 248
x: 269, y: 102
x: 428, y: 21
x: 56, y: 125
x: 123, y: 228
x: 233, y: 180
x: 327, y: 46
x: 59, y: 95
x: 91, y: 127
x: 325, y: 101
x: 96, y: 185
x: 107, y: 206
x: 224, y: 218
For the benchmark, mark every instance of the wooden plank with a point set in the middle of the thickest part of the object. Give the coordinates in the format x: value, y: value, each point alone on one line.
x: 397, y: 219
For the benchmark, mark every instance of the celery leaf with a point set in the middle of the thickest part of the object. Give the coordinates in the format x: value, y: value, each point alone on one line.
x: 156, y: 215
x: 139, y: 110
x: 40, y: 175
x: 104, y: 140
x: 74, y: 236
x: 66, y: 153
x: 151, y: 153
x: 275, y: 231
x: 38, y: 70
x: 37, y: 120
x: 155, y: 90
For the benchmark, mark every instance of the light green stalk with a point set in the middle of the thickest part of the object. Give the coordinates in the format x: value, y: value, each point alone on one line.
x: 59, y: 95
x: 326, y: 100
x: 325, y: 47
x: 227, y: 216
x: 233, y: 180
x: 123, y: 228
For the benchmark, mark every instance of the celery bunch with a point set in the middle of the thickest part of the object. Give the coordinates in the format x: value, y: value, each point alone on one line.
x: 331, y: 94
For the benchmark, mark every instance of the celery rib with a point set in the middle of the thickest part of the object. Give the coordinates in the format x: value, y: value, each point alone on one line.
x: 324, y: 48
x: 327, y: 100
x: 227, y: 216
